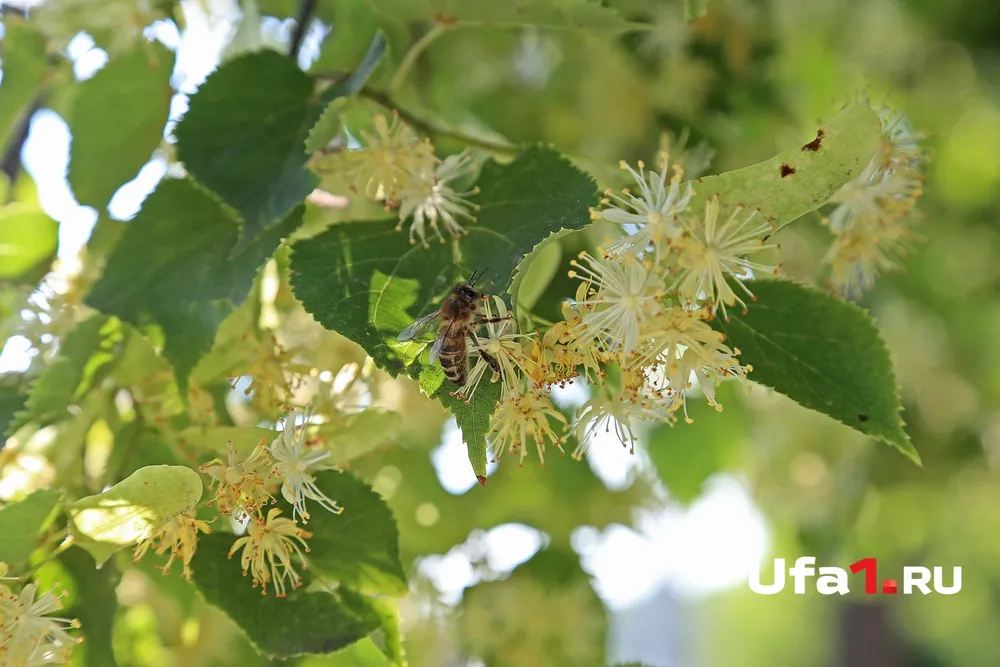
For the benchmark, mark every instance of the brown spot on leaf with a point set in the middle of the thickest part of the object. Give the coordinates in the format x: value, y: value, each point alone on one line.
x: 815, y: 143
x: 787, y: 169
x: 445, y: 19
x: 863, y: 417
x: 481, y: 479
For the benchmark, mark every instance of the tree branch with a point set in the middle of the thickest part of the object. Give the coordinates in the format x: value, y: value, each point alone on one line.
x: 10, y: 162
x: 302, y: 21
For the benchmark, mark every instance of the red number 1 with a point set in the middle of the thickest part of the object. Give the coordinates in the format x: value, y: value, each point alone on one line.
x: 868, y: 565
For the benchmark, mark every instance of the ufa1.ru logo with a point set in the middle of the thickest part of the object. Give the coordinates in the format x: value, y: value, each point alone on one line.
x: 830, y: 580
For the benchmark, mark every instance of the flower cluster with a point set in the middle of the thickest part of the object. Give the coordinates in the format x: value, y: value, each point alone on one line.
x: 400, y: 169
x: 28, y: 635
x: 244, y: 486
x: 640, y: 314
x: 180, y: 537
x: 872, y: 220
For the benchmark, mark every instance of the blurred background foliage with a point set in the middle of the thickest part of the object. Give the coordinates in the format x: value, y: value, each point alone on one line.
x: 512, y: 574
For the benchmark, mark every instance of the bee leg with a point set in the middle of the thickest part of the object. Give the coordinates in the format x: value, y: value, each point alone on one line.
x: 491, y: 320
x: 491, y: 360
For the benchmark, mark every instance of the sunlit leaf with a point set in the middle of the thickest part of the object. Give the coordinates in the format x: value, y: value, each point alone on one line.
x: 28, y: 241
x: 803, y: 178
x: 136, y: 507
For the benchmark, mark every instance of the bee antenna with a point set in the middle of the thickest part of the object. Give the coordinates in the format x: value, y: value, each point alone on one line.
x: 473, y: 278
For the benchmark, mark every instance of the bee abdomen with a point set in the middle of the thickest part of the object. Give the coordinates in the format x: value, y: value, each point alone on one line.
x: 453, y: 347
x: 455, y: 374
x: 454, y: 362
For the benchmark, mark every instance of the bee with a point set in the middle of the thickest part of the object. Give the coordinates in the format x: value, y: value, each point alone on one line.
x: 455, y: 321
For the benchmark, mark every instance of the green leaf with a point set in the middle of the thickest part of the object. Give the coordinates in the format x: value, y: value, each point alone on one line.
x: 13, y: 395
x: 388, y: 638
x: 365, y: 281
x: 216, y: 440
x: 846, y: 145
x: 117, y: 121
x: 134, y: 508
x: 583, y: 14
x: 95, y: 604
x: 359, y: 547
x: 303, y: 622
x: 22, y: 523
x: 822, y: 352
x: 344, y: 50
x: 328, y: 125
x: 361, y: 433
x: 23, y: 53
x: 695, y: 9
x: 28, y: 242
x: 84, y: 356
x: 243, y: 137
x: 536, y: 271
x: 173, y: 268
x: 473, y: 418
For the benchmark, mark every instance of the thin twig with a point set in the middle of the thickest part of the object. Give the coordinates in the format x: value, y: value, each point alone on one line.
x: 414, y: 54
x: 382, y: 99
x: 302, y: 20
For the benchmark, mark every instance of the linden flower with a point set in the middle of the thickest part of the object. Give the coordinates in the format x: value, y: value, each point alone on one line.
x: 268, y: 547
x: 682, y: 344
x: 870, y: 220
x: 609, y: 411
x: 28, y: 635
x: 392, y: 155
x: 180, y: 536
x: 240, y: 486
x: 428, y: 197
x: 295, y: 461
x: 502, y: 342
x: 520, y: 419
x: 708, y: 253
x: 858, y: 256
x: 653, y: 212
x: 556, y: 355
x: 878, y: 193
x: 625, y: 292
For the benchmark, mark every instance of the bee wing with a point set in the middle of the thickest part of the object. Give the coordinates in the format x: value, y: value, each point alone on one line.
x: 439, y: 343
x: 419, y: 329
